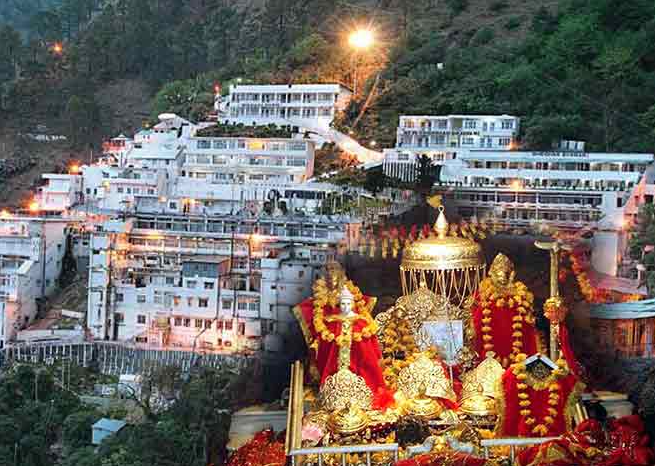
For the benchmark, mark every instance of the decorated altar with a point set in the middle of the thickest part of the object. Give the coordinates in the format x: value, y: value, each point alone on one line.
x: 454, y: 373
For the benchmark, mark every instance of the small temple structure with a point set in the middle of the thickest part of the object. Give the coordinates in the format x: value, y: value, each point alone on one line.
x: 456, y: 372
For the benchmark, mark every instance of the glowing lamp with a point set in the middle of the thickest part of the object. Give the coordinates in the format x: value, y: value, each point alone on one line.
x: 361, y: 39
x: 58, y: 48
x: 33, y: 207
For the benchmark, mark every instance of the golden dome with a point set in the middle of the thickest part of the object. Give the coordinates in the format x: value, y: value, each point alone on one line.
x: 443, y: 252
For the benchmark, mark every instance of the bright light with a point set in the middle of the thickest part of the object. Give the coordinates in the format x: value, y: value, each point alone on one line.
x: 58, y: 48
x: 34, y: 207
x: 74, y: 169
x: 255, y: 238
x: 373, y: 143
x: 516, y: 185
x: 361, y: 39
x: 5, y: 214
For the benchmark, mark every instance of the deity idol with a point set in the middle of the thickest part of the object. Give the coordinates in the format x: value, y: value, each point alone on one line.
x: 502, y: 315
x: 338, y: 327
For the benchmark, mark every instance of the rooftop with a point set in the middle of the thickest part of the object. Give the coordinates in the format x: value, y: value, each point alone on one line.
x: 110, y: 425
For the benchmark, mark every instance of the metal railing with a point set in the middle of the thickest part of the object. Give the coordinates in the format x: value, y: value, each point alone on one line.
x: 293, y: 441
x: 513, y: 444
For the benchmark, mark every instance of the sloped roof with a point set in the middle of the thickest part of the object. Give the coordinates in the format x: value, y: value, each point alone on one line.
x: 109, y: 425
x: 633, y: 310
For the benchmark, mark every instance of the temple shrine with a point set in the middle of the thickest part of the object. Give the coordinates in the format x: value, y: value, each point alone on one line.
x: 454, y: 373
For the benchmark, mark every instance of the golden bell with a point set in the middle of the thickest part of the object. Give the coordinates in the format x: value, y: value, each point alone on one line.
x: 423, y: 406
x: 348, y: 420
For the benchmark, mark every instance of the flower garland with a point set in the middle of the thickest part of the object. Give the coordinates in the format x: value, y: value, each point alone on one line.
x: 517, y: 297
x: 323, y: 297
x: 554, y: 394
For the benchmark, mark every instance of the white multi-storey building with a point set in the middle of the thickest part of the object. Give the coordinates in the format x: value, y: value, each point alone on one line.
x: 563, y: 189
x: 307, y: 106
x: 31, y: 256
x: 443, y: 138
x: 218, y: 283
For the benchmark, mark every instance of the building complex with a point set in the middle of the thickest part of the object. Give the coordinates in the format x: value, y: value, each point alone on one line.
x: 483, y: 175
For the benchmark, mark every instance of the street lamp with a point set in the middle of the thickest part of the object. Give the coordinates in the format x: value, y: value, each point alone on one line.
x: 359, y: 40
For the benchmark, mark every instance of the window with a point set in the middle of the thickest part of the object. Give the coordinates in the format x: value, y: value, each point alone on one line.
x: 158, y: 297
x: 119, y: 317
x: 242, y: 328
x: 203, y: 302
x: 191, y: 283
x: 467, y: 140
x: 301, y: 273
x: 219, y: 325
x: 142, y: 339
x: 242, y: 305
x: 170, y: 280
x: 228, y: 325
x: 470, y: 124
x: 220, y: 144
x: 189, y: 301
x: 507, y: 124
x: 187, y: 322
x: 119, y: 190
x: 208, y: 324
x: 403, y: 157
x: 227, y: 304
x: 198, y: 323
x: 172, y: 205
x: 177, y: 322
x: 204, y: 145
x: 209, y: 285
x: 504, y: 141
x: 176, y: 300
x: 140, y: 319
x: 141, y: 298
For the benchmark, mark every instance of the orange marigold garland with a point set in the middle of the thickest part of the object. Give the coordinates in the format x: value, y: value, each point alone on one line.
x: 554, y: 394
x: 323, y: 297
x: 519, y: 298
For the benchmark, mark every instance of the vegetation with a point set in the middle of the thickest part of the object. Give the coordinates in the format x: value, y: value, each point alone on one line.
x: 583, y: 73
x: 44, y: 424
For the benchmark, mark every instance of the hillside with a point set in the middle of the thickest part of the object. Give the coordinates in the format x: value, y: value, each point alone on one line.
x: 576, y: 69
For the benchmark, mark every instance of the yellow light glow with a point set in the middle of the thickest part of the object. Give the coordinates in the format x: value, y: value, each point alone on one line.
x: 34, y: 207
x: 516, y: 185
x: 256, y: 238
x: 373, y: 143
x: 74, y: 169
x: 361, y: 39
x: 5, y: 214
x: 58, y: 48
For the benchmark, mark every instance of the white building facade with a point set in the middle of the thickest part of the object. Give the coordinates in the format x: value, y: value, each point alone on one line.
x: 562, y: 189
x: 191, y: 281
x: 442, y: 138
x: 31, y: 257
x: 306, y: 106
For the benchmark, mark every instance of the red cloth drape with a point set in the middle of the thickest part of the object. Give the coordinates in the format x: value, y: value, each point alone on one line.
x: 513, y: 424
x: 626, y: 445
x: 501, y: 331
x: 365, y: 355
x: 567, y: 351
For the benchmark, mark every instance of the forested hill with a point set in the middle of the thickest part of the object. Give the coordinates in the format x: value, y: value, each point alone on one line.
x: 21, y: 14
x: 574, y: 69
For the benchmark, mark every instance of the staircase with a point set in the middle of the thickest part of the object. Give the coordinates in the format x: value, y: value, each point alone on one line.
x: 367, y: 157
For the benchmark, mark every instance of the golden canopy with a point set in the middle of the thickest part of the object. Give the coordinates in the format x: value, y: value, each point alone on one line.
x: 450, y: 266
